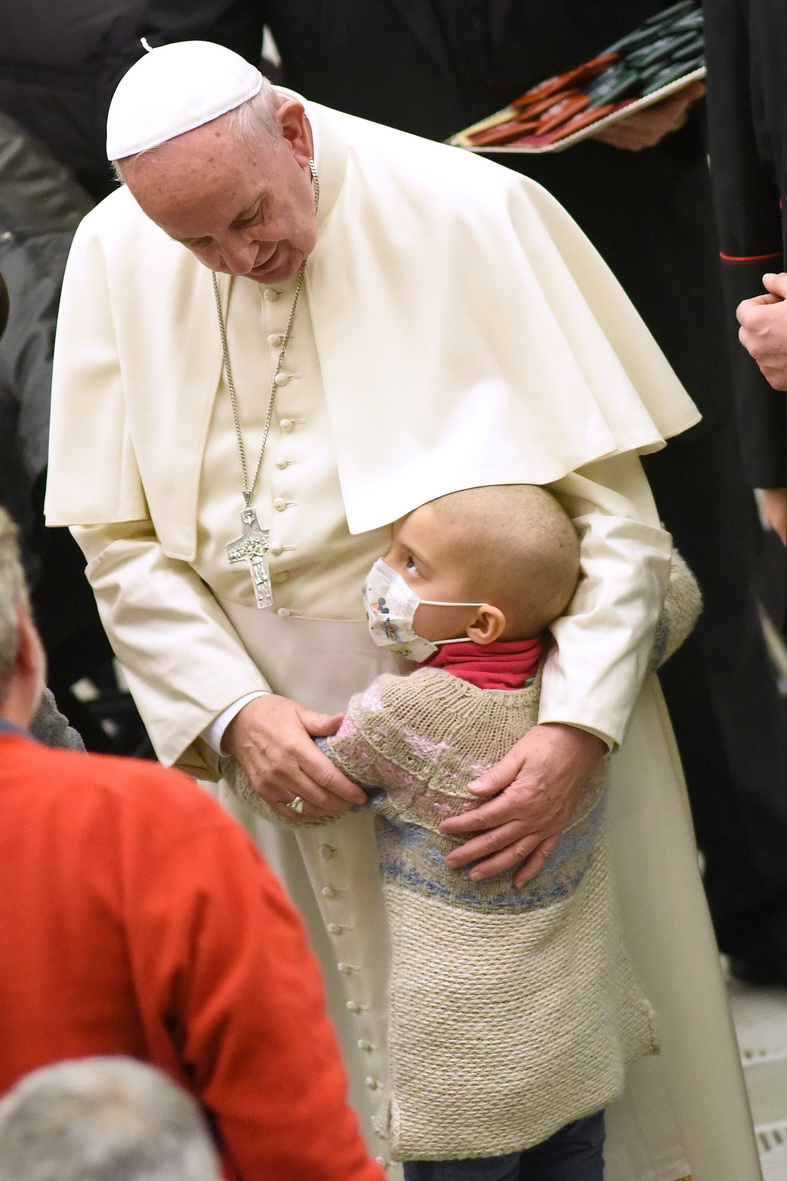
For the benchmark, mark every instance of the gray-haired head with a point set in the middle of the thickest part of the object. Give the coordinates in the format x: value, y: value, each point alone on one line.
x: 172, y: 90
x: 12, y: 592
x: 103, y: 1119
x: 176, y: 88
x: 219, y: 160
x: 253, y: 122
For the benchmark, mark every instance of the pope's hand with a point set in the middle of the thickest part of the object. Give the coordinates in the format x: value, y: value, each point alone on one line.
x: 537, y: 788
x: 763, y: 329
x: 271, y: 738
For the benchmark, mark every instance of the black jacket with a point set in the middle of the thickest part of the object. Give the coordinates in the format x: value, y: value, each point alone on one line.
x: 40, y: 208
x: 59, y: 64
x: 746, y: 47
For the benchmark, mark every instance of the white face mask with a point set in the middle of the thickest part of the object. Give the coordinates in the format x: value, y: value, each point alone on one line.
x: 390, y: 610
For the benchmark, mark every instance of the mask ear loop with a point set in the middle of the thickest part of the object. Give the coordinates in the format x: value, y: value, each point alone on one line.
x: 439, y: 603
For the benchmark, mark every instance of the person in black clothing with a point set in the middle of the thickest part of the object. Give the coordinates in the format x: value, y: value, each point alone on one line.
x: 433, y: 67
x: 59, y: 64
x: 40, y: 208
x: 747, y: 61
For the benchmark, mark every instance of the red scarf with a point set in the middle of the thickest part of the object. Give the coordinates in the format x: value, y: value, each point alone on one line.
x: 504, y: 664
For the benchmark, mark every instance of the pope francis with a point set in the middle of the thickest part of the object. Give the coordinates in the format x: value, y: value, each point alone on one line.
x: 285, y: 330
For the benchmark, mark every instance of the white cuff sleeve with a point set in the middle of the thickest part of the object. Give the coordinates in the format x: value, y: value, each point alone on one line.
x: 594, y: 671
x: 214, y: 733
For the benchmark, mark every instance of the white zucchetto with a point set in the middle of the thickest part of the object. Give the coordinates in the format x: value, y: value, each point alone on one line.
x: 173, y: 89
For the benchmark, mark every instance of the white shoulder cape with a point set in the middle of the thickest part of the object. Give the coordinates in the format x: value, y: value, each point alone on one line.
x: 441, y: 284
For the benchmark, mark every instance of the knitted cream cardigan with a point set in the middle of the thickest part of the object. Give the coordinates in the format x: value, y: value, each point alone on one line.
x: 511, y: 1012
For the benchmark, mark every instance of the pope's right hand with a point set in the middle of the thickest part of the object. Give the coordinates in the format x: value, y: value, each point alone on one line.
x: 271, y: 738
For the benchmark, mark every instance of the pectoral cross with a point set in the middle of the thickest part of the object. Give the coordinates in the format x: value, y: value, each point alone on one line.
x: 252, y: 546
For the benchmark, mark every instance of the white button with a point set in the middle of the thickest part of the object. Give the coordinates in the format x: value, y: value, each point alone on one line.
x: 270, y: 294
x: 380, y: 1160
x: 353, y: 1006
x: 285, y: 611
x: 280, y: 504
x: 282, y: 378
x: 327, y: 851
x: 372, y: 1083
x: 363, y: 1045
x: 328, y: 891
x: 335, y: 928
x: 282, y: 576
x: 286, y: 424
x: 276, y: 548
x: 345, y: 969
x: 276, y: 339
x: 281, y: 464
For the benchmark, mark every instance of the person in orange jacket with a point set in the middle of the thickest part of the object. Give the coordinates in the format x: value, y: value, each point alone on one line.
x: 139, y: 919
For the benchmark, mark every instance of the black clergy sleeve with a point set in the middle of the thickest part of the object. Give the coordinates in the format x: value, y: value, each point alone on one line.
x: 749, y: 216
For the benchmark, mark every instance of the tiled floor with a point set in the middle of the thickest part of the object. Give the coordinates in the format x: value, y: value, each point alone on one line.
x: 760, y: 1017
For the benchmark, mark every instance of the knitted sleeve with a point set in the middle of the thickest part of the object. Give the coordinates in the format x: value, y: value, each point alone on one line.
x: 389, y: 740
x: 424, y: 737
x: 372, y: 732
x: 682, y: 607
x: 237, y: 780
x: 382, y: 743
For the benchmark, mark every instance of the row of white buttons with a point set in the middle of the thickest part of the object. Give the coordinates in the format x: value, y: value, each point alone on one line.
x: 329, y: 891
x: 280, y: 504
x: 328, y: 853
x: 276, y: 340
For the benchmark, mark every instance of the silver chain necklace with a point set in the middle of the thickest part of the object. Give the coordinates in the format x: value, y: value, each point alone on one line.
x: 253, y: 544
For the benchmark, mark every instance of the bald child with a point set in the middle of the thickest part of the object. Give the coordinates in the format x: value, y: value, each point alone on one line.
x: 512, y: 1012
x: 488, y: 564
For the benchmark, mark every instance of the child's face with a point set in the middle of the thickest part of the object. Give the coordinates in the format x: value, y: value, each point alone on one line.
x: 431, y: 560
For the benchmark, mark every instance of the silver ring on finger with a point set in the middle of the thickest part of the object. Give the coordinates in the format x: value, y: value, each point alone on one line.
x: 296, y: 805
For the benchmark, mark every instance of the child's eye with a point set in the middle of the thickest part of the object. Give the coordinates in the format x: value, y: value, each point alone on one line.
x: 410, y: 565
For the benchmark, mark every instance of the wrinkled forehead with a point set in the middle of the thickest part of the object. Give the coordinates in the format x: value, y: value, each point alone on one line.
x: 202, y: 181
x: 211, y: 145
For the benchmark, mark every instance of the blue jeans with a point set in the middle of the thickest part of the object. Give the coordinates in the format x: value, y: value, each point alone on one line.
x: 575, y: 1153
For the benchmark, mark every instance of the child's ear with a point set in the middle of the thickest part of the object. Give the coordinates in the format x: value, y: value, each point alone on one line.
x: 488, y: 624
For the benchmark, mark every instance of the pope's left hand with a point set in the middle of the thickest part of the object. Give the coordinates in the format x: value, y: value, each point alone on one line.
x: 529, y: 798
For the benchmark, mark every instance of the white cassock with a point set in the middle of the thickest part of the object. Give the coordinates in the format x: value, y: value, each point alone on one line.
x: 456, y: 329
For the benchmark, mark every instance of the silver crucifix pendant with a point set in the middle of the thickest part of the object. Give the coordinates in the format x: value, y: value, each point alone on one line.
x: 252, y: 547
